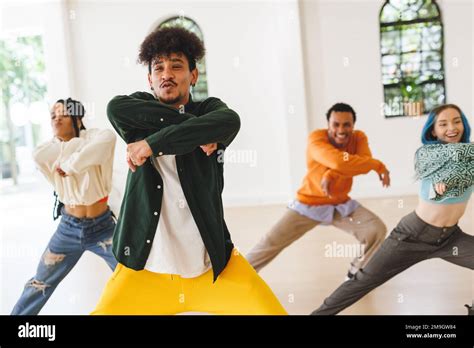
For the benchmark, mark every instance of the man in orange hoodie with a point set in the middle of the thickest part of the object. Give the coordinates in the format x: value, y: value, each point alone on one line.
x: 334, y: 156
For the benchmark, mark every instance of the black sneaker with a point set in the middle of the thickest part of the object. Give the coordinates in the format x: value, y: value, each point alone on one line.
x: 470, y: 309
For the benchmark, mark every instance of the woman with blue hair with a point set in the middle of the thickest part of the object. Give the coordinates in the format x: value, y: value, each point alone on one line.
x: 445, y: 167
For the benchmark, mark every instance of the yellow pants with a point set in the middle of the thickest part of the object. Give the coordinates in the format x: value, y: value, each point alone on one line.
x: 237, y: 290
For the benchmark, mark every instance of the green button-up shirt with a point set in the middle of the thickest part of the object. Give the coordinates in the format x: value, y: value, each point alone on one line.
x: 169, y: 131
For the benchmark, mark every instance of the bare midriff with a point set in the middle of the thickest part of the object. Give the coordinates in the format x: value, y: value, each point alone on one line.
x: 440, y: 215
x: 88, y: 211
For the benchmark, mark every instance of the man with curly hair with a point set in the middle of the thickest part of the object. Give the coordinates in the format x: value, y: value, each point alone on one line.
x: 174, y: 250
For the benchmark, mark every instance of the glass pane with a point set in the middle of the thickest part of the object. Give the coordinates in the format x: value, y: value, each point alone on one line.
x: 411, y: 38
x: 393, y: 59
x: 393, y: 101
x: 200, y: 90
x: 398, y: 4
x: 390, y: 76
x: 24, y: 84
x: 410, y: 89
x: 411, y: 64
x: 434, y: 95
x: 390, y: 42
x: 430, y: 75
x: 432, y: 60
x: 390, y: 69
x: 409, y: 9
x: 429, y: 10
x: 432, y: 38
x: 389, y: 14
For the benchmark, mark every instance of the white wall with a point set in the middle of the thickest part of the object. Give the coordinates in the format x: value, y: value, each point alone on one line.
x: 27, y: 222
x: 342, y: 63
x: 255, y: 55
x: 280, y: 64
x: 254, y: 64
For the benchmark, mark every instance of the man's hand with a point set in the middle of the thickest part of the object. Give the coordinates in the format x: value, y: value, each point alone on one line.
x: 209, y: 148
x: 137, y: 154
x: 325, y: 186
x: 440, y: 188
x: 61, y: 172
x: 132, y: 167
x: 385, y: 178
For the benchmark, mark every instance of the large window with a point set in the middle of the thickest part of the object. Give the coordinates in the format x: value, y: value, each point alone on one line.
x: 411, y: 43
x: 199, y: 91
x: 22, y: 102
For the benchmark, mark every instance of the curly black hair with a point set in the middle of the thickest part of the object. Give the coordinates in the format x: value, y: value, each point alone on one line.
x: 164, y: 41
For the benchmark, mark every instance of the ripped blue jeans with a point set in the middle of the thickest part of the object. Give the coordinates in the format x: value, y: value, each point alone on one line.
x: 72, y: 237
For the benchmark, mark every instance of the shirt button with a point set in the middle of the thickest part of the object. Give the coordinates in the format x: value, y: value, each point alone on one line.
x: 148, y: 241
x: 161, y: 119
x: 155, y: 213
x: 158, y: 187
x: 160, y: 153
x: 439, y: 240
x: 445, y: 229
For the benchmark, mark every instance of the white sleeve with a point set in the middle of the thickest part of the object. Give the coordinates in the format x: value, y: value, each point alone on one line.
x: 46, y: 156
x: 98, y: 147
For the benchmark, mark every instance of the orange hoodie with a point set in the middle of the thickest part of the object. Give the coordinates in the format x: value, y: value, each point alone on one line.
x: 339, y: 165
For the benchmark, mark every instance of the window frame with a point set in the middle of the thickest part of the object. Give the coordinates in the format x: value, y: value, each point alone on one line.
x: 405, y: 80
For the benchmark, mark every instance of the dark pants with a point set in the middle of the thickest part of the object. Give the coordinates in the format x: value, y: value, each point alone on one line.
x: 412, y: 241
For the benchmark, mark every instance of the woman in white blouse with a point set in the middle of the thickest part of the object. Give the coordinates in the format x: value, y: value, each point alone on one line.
x: 78, y: 163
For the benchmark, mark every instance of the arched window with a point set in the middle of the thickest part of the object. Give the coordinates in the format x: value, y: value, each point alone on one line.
x: 200, y: 90
x: 412, y: 48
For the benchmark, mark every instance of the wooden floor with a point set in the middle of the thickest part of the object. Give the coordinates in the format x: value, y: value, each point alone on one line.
x: 301, y: 276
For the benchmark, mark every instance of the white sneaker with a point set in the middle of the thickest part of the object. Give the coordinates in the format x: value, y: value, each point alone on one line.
x: 349, y: 276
